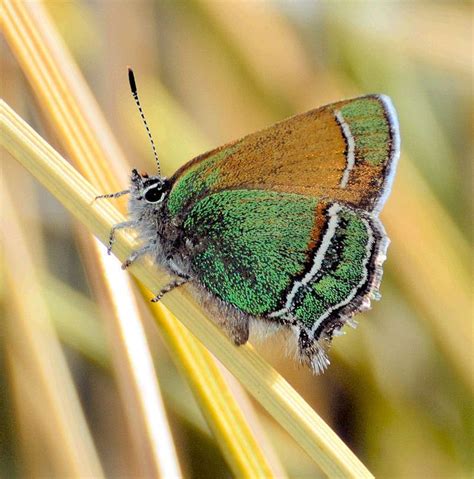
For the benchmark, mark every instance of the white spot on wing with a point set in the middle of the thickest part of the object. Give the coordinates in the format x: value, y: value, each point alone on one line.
x: 350, y: 158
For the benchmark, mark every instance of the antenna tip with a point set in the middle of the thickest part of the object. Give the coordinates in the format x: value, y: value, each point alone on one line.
x: 131, y: 80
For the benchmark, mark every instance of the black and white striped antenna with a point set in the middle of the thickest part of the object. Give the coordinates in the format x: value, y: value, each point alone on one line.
x: 133, y: 87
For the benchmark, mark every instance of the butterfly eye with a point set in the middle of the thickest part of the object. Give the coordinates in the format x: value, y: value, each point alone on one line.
x: 155, y: 194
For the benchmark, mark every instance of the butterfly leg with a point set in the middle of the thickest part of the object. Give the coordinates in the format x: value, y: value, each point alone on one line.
x: 138, y: 254
x: 112, y: 195
x: 118, y: 226
x: 169, y: 287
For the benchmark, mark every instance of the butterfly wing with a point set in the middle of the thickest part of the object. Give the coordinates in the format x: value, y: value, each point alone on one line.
x: 284, y: 223
x: 346, y: 151
x: 254, y: 242
x: 286, y: 257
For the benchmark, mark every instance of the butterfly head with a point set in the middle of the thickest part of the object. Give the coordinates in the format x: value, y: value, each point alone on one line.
x: 148, y: 191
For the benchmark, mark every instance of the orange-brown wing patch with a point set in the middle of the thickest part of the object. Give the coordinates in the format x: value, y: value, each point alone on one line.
x: 339, y: 152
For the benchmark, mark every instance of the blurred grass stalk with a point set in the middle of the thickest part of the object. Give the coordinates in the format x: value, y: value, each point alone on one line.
x: 54, y: 76
x: 133, y: 364
x: 262, y: 381
x: 45, y: 396
x: 74, y: 317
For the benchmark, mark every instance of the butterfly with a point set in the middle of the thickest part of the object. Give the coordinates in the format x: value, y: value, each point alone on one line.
x: 279, y: 229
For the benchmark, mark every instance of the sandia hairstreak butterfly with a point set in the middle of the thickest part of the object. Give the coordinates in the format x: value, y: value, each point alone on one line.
x: 279, y: 228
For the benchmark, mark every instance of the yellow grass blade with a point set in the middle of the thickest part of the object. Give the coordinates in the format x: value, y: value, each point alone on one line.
x: 36, y: 361
x: 264, y: 383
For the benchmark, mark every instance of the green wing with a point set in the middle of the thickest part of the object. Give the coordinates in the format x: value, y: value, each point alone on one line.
x: 254, y: 243
x: 285, y: 255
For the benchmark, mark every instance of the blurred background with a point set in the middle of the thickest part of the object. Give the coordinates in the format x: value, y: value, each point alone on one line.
x: 399, y: 390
